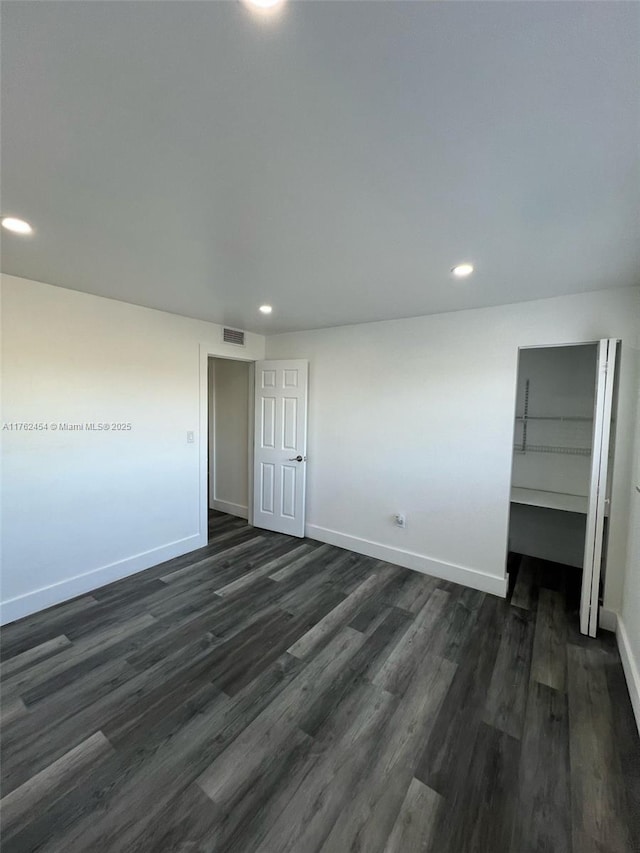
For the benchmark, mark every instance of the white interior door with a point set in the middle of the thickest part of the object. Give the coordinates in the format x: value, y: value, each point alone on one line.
x: 598, y: 497
x: 280, y: 445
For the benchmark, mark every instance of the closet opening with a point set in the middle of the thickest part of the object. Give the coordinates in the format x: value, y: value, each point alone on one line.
x: 230, y: 438
x: 561, y: 474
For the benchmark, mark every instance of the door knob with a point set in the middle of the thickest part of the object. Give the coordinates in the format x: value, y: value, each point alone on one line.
x: 296, y: 459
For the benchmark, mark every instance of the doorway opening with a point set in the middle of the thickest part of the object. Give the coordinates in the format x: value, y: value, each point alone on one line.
x: 230, y: 438
x: 253, y: 442
x: 561, y: 472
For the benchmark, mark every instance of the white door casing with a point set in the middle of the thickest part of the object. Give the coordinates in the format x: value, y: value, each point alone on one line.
x: 598, y: 497
x: 280, y: 445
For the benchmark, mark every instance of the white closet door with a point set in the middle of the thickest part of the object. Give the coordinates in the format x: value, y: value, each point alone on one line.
x: 598, y: 497
x: 280, y: 446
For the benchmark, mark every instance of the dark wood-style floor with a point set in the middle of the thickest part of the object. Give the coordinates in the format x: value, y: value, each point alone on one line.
x: 273, y: 694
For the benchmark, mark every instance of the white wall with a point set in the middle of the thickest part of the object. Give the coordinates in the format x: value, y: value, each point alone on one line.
x: 229, y: 436
x: 83, y: 508
x: 417, y: 416
x: 628, y: 627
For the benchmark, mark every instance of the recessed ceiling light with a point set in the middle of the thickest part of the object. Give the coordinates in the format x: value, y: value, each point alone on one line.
x: 18, y: 226
x: 266, y: 309
x: 462, y: 270
x: 263, y: 5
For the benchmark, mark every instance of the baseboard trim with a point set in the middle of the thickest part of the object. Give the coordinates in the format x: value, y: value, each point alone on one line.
x: 231, y: 508
x: 411, y: 560
x: 608, y: 620
x: 630, y: 667
x: 40, y: 599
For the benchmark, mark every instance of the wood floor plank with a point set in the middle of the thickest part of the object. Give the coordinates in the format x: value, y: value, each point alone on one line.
x: 209, y: 550
x: 90, y: 702
x: 445, y: 758
x: 627, y: 743
x: 414, y: 826
x: 229, y: 553
x: 138, y: 587
x: 238, y: 535
x: 414, y: 592
x: 374, y: 649
x: 368, y: 617
x: 131, y: 795
x: 597, y: 787
x: 39, y: 628
x: 19, y: 803
x: 458, y: 621
x: 125, y: 804
x: 294, y: 594
x: 324, y: 629
x: 523, y: 591
x: 46, y: 733
x: 83, y: 657
x: 399, y: 667
x: 11, y: 709
x: 509, y: 687
x: 481, y: 812
x: 188, y: 824
x: 270, y: 731
x: 349, y: 570
x: 308, y: 807
x: 259, y: 649
x: 270, y: 568
x: 37, y: 653
x: 367, y: 819
x: 291, y: 566
x: 543, y: 823
x: 217, y: 570
x: 184, y: 677
x: 549, y: 662
x: 242, y: 825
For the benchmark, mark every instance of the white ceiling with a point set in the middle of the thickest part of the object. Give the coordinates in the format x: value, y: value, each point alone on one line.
x: 335, y: 162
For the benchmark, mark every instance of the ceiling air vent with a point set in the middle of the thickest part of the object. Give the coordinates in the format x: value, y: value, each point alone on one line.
x: 233, y: 336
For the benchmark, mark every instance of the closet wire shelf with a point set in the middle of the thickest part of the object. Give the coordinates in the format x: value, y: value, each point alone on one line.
x: 543, y: 448
x: 575, y: 430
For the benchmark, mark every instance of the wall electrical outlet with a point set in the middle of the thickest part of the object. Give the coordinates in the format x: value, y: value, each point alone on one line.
x: 190, y: 436
x: 400, y: 520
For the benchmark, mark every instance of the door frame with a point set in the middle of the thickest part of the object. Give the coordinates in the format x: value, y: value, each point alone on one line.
x: 605, y: 401
x: 611, y: 437
x: 211, y: 429
x: 208, y: 351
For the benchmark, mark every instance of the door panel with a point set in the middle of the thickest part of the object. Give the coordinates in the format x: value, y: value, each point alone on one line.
x: 290, y: 422
x: 598, y: 496
x: 267, y: 481
x: 280, y: 451
x: 288, y: 491
x: 268, y: 429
